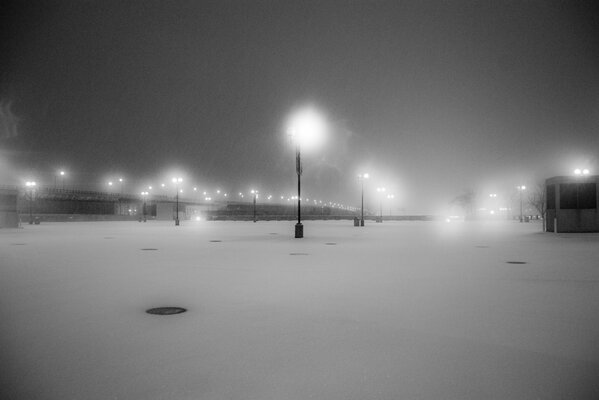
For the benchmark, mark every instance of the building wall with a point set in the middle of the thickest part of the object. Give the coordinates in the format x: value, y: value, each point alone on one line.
x: 582, y: 217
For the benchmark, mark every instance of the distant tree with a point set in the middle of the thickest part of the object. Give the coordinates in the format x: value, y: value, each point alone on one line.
x: 8, y: 120
x: 537, y: 198
x: 467, y: 202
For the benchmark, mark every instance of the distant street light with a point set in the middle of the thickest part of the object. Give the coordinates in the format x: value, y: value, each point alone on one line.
x: 362, y: 177
x: 255, y: 193
x: 306, y: 128
x: 390, y: 197
x: 61, y: 174
x: 30, y: 188
x: 176, y: 181
x: 144, y: 195
x: 579, y: 171
x: 121, y: 180
x: 521, y: 189
x: 381, y: 190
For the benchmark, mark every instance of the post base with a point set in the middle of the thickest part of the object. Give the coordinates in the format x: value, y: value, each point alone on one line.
x: 299, y: 230
x: 177, y: 222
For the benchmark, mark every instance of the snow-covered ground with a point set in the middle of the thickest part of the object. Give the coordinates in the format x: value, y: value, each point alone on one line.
x: 399, y: 310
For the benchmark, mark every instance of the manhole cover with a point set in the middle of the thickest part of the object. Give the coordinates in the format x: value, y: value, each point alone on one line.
x: 331, y: 244
x: 166, y: 310
x: 273, y: 233
x: 515, y: 262
x: 482, y: 247
x: 18, y: 244
x: 215, y: 241
x: 298, y: 254
x: 149, y: 249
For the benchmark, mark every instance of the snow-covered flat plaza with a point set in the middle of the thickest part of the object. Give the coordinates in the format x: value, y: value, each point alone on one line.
x: 399, y: 310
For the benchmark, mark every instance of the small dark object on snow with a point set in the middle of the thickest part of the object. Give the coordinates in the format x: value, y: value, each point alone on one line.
x: 166, y: 310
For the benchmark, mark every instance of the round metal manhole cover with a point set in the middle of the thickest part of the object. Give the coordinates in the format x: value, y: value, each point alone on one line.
x: 108, y: 237
x: 482, y: 247
x: 298, y: 254
x: 166, y: 310
x: 515, y: 262
x: 273, y: 233
x: 331, y: 244
x: 215, y: 241
x: 18, y: 244
x: 149, y: 249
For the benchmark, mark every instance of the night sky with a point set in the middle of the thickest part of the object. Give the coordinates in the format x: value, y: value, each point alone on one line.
x: 429, y: 97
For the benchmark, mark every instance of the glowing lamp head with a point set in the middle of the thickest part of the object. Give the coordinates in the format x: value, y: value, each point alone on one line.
x: 586, y: 171
x: 307, y: 128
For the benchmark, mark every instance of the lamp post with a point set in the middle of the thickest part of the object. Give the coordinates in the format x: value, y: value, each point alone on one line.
x: 362, y: 177
x: 521, y: 189
x: 144, y: 195
x: 584, y: 171
x: 306, y: 128
x: 176, y: 181
x: 390, y: 197
x: 61, y: 174
x: 380, y: 190
x: 255, y: 193
x: 31, y: 188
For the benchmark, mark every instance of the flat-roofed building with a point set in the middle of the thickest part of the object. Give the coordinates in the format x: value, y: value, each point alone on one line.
x: 572, y: 203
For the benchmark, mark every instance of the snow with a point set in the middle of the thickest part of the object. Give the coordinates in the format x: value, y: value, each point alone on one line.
x: 398, y: 310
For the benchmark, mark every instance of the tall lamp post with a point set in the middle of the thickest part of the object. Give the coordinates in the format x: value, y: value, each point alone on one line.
x: 61, y: 174
x: 30, y: 188
x: 380, y: 190
x: 144, y: 195
x: 521, y: 189
x: 177, y: 181
x: 362, y: 177
x: 306, y: 128
x: 390, y: 197
x: 255, y: 193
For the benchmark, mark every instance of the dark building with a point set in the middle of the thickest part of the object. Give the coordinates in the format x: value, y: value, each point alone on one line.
x: 572, y: 204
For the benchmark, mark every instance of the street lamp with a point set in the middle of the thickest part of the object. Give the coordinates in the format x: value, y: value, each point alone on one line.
x: 144, y: 195
x: 176, y: 181
x: 31, y: 188
x: 521, y: 189
x: 584, y: 171
x: 255, y: 193
x: 121, y: 180
x: 61, y: 174
x: 390, y: 197
x: 306, y: 129
x: 380, y: 190
x: 362, y: 177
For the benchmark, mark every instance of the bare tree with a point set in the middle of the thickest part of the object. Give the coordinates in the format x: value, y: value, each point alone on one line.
x: 537, y: 198
x: 8, y: 120
x: 466, y: 201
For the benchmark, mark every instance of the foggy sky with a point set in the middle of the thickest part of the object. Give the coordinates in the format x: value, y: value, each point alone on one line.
x: 429, y: 97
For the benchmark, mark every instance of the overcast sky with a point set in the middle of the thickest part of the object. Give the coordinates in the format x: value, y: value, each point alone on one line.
x: 430, y: 97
